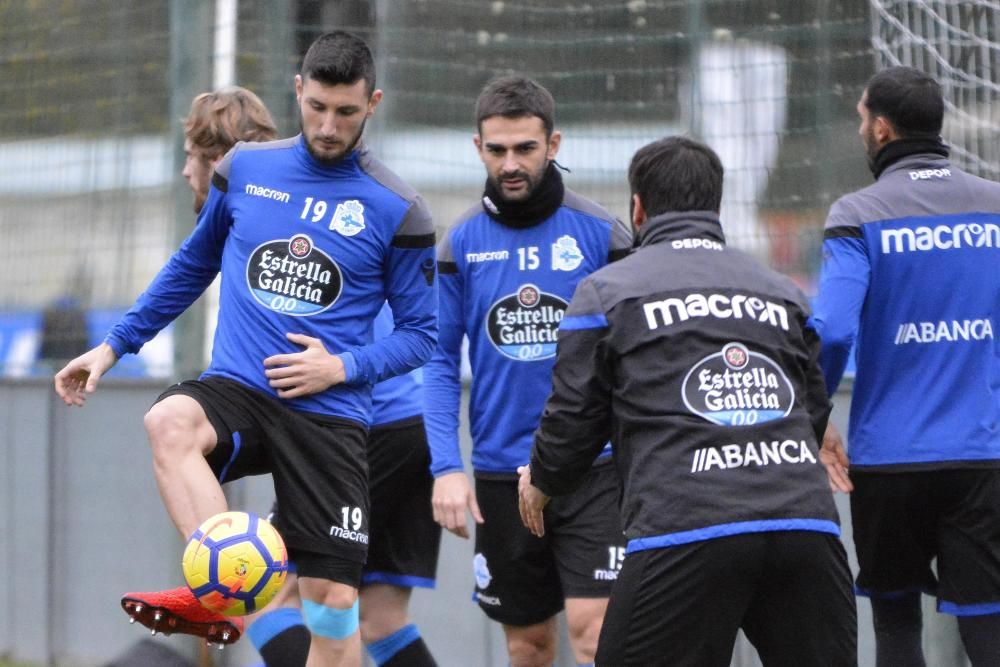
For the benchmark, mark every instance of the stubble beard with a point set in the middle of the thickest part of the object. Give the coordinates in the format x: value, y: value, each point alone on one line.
x: 332, y: 158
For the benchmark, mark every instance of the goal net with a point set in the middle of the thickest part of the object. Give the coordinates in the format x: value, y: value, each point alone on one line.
x: 957, y: 42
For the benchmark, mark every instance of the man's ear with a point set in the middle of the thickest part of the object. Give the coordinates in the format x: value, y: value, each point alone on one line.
x: 373, y: 101
x: 883, y: 131
x: 553, y: 147
x: 638, y: 212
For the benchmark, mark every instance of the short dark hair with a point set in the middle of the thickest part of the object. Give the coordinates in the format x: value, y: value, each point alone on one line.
x: 516, y: 97
x: 339, y: 57
x: 676, y: 174
x: 909, y: 99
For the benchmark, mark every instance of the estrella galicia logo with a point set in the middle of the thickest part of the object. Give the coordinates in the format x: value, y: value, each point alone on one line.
x: 524, y: 326
x: 293, y: 276
x: 735, y: 387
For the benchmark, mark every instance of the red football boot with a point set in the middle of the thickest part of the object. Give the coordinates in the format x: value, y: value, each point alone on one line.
x: 177, y: 610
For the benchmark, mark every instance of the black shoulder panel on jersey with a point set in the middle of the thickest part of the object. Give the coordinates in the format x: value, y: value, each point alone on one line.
x: 413, y: 240
x: 842, y: 231
x: 220, y: 182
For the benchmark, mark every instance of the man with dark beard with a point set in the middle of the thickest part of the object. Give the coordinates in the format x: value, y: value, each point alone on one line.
x: 911, y: 277
x: 508, y: 269
x: 312, y: 236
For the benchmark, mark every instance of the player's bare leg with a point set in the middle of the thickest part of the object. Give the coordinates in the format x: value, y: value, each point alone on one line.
x: 326, y: 651
x: 584, y: 617
x: 384, y: 610
x: 531, y: 645
x: 180, y: 436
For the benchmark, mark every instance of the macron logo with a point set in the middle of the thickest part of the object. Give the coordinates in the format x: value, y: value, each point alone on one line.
x: 267, y: 193
x: 489, y: 256
x: 940, y: 237
x: 666, y: 312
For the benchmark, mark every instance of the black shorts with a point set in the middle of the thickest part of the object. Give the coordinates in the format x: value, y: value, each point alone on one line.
x: 405, y: 539
x: 902, y: 521
x: 789, y: 591
x: 319, y: 467
x: 522, y: 579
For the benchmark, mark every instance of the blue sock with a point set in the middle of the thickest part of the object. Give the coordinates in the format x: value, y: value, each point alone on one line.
x: 272, y: 624
x: 382, y: 650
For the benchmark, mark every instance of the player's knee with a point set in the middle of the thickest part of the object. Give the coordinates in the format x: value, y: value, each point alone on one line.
x: 378, y: 624
x: 331, y: 622
x: 583, y: 636
x: 384, y: 610
x: 528, y: 647
x: 584, y: 633
x: 172, y: 431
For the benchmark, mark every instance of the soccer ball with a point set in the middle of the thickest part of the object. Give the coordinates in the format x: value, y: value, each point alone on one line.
x: 235, y: 563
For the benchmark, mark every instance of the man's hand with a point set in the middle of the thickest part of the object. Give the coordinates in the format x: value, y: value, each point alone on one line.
x: 307, y: 372
x: 833, y: 456
x: 531, y: 502
x: 452, y: 495
x: 80, y: 376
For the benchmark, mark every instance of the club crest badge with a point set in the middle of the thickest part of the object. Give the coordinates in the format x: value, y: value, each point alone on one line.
x: 566, y: 255
x: 482, y: 571
x: 349, y: 218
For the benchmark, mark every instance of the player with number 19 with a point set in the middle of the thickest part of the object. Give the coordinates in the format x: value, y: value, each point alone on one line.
x: 312, y: 235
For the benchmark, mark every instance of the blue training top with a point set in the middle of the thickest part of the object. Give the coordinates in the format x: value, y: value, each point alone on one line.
x: 304, y: 247
x: 399, y: 397
x: 911, y: 274
x: 507, y: 289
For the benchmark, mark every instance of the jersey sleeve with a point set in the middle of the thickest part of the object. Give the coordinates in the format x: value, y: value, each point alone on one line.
x: 843, y: 287
x: 442, y: 374
x: 576, y: 421
x: 817, y: 398
x: 411, y: 291
x: 188, y: 272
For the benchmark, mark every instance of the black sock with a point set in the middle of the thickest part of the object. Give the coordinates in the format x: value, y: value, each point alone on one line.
x: 981, y: 638
x: 898, y: 631
x: 281, y: 638
x: 414, y: 654
x: 288, y: 648
x: 403, y: 648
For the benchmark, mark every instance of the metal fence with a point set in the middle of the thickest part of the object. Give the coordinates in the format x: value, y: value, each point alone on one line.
x: 91, y: 200
x: 92, y: 203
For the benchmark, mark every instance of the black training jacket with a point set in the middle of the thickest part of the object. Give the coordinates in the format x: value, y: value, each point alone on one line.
x: 695, y: 361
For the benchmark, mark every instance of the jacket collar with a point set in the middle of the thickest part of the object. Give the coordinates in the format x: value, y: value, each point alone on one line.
x: 904, y: 150
x: 917, y: 161
x: 681, y: 225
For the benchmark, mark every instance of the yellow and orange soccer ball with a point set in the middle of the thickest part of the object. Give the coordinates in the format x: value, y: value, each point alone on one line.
x: 235, y: 563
